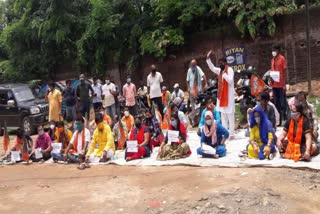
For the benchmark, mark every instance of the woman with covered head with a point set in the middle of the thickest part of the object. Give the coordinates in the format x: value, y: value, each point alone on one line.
x: 262, y: 135
x: 175, y: 150
x: 213, y: 135
x: 156, y: 135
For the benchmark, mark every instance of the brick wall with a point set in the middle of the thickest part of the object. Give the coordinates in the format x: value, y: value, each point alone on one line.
x: 290, y: 35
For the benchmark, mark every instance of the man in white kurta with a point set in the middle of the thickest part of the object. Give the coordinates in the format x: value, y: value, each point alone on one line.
x: 227, y: 112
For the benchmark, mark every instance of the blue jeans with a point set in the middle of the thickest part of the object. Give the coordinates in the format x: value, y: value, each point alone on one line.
x: 280, y: 102
x: 111, y: 110
x: 220, y: 150
x: 57, y: 156
x: 71, y: 113
x: 182, y: 106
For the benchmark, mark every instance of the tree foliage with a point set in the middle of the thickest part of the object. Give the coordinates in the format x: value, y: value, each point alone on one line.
x: 36, y: 36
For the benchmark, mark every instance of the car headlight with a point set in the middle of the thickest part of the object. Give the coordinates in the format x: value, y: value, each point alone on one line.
x: 34, y: 110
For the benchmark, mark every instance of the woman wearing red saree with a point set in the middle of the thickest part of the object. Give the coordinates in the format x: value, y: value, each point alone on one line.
x: 141, y: 134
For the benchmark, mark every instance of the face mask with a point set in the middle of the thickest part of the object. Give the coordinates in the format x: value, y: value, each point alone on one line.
x: 174, y: 123
x: 41, y: 132
x: 107, y: 82
x: 100, y: 126
x: 129, y: 80
x: 258, y: 103
x: 153, y: 71
x: 60, y: 129
x: 293, y: 115
x: 138, y: 125
x: 257, y: 119
x: 222, y: 67
x: 126, y: 113
x: 52, y: 127
x: 274, y: 53
x: 79, y: 127
x: 82, y: 81
x: 176, y: 90
x: 193, y: 68
x: 209, y: 122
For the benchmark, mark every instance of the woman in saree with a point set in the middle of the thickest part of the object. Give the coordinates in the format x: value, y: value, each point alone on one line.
x: 178, y: 149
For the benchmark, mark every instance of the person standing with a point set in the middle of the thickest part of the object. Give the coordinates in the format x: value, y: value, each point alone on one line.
x: 143, y: 93
x: 279, y: 64
x: 70, y: 98
x: 196, y: 79
x: 97, y: 99
x: 130, y: 92
x: 83, y: 92
x: 166, y: 96
x: 54, y: 99
x: 109, y: 93
x: 225, y: 103
x: 154, y: 81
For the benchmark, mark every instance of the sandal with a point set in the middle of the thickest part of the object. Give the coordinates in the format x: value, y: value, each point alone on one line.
x: 82, y: 166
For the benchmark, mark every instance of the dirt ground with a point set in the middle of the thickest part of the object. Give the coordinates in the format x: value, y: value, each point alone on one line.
x: 58, y: 188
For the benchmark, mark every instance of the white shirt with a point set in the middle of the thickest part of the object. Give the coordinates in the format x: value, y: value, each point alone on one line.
x: 182, y: 118
x: 154, y: 84
x: 191, y: 77
x: 229, y: 78
x: 108, y: 97
x: 87, y: 138
x: 97, y: 90
x: 179, y: 94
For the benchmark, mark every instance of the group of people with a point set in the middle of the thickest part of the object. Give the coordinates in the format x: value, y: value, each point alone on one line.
x: 83, y: 141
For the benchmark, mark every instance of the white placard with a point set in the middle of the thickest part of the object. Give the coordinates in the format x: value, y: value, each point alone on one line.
x: 38, y: 153
x: 173, y: 136
x: 132, y: 146
x: 208, y: 149
x: 15, y: 156
x: 56, y: 147
x: 275, y: 75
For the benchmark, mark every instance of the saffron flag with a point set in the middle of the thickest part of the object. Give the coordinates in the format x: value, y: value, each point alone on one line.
x: 25, y: 154
x: 257, y: 85
x: 6, y: 139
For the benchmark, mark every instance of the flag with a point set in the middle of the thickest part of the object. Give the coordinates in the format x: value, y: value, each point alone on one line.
x: 6, y: 139
x: 25, y: 154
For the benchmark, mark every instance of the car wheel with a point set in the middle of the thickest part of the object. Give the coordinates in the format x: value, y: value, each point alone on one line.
x: 26, y: 125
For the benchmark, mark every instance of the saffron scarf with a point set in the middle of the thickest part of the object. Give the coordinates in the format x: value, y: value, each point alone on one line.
x: 122, y: 139
x: 196, y: 83
x: 212, y: 131
x: 294, y: 140
x: 75, y: 145
x: 223, y: 92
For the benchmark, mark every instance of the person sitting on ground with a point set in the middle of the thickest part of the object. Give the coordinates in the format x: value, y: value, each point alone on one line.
x: 141, y: 134
x: 262, y: 136
x: 181, y: 115
x: 128, y: 119
x: 43, y: 143
x: 22, y: 141
x: 299, y: 145
x: 177, y: 92
x: 156, y: 135
x: 106, y: 118
x: 102, y: 140
x: 120, y: 133
x: 52, y: 130
x: 63, y: 136
x: 76, y: 150
x: 213, y: 135
x: 175, y: 150
x: 309, y: 111
x: 166, y: 96
x: 210, y: 106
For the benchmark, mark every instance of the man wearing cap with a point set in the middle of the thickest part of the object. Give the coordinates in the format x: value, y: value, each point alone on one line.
x: 178, y: 93
x: 166, y: 96
x: 154, y: 81
x: 83, y: 93
x: 130, y: 92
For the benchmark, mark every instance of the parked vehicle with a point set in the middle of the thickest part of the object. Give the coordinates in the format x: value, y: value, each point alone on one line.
x: 20, y: 108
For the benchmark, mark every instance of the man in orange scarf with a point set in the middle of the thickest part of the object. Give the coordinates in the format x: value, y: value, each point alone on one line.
x: 299, y: 134
x: 225, y: 103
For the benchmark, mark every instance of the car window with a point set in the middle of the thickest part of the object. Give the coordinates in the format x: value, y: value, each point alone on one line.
x: 24, y: 94
x: 5, y: 96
